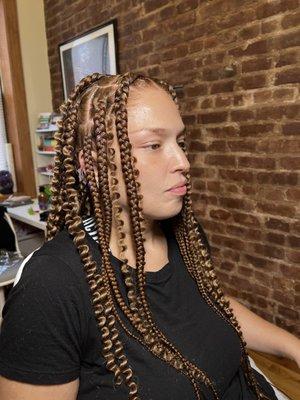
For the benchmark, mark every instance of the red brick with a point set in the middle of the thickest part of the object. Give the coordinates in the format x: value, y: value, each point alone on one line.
x: 231, y: 188
x: 249, y: 32
x: 269, y: 26
x: 241, y: 231
x: 255, y: 129
x: 198, y: 90
x: 293, y: 256
x: 277, y: 224
x: 222, y: 87
x: 230, y: 202
x: 291, y: 20
x: 220, y: 214
x: 275, y: 238
x: 288, y: 76
x: 267, y: 251
x: 181, y: 21
x: 217, y: 145
x: 283, y: 297
x: 262, y: 96
x: 253, y: 81
x: 245, y: 219
x: 213, y: 186
x: 256, y: 64
x: 290, y: 111
x: 206, y: 103
x: 291, y: 39
x: 241, y: 115
x: 290, y: 163
x: 279, y: 146
x: 196, y: 45
x: 212, y: 118
x: 242, y: 146
x: 256, y: 163
x: 293, y: 194
x: 228, y: 266
x: 237, y: 175
x: 225, y: 131
x: 268, y: 193
x: 288, y: 58
x: 277, y: 178
x: 294, y: 241
x: 259, y: 47
x: 276, y: 209
x: 244, y: 271
x: 287, y: 312
x: 223, y: 160
x: 236, y: 19
x: 292, y: 128
x: 221, y: 101
x: 153, y: 5
x: 257, y: 262
x: 186, y: 5
x: 167, y: 12
x: 196, y: 146
x: 283, y: 94
x: 211, y: 42
x: 168, y: 54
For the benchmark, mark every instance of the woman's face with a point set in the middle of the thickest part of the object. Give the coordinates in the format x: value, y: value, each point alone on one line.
x: 156, y: 132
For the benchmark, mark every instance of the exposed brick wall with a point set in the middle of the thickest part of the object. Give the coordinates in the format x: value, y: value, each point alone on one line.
x: 239, y: 63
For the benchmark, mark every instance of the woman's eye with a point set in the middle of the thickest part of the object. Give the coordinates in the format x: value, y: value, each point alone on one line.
x: 154, y: 146
x: 182, y: 144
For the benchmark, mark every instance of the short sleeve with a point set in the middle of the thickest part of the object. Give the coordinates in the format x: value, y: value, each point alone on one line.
x: 44, y: 324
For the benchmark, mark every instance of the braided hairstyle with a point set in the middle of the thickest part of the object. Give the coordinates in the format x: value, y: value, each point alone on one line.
x: 94, y: 115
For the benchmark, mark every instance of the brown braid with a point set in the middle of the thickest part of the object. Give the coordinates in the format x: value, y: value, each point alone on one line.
x: 104, y: 97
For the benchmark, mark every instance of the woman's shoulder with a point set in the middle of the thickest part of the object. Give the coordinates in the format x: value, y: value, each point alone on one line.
x: 57, y: 259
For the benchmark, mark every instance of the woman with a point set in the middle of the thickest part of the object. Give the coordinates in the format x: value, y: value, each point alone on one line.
x: 122, y: 302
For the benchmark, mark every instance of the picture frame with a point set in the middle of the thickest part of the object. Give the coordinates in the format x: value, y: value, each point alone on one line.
x: 92, y: 51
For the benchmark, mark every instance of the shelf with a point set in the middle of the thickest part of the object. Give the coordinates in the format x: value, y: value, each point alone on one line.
x: 49, y: 153
x: 46, y: 173
x: 52, y: 128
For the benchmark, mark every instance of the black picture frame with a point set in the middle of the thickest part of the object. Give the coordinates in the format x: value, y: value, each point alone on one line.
x: 92, y: 51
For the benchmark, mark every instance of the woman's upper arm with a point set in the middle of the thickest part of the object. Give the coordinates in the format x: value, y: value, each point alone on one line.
x: 10, y: 389
x: 44, y: 326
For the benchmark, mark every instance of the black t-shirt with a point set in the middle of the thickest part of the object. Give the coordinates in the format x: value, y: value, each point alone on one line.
x: 49, y: 333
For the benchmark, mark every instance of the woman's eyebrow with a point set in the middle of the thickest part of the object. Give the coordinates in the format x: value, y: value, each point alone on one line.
x: 159, y: 130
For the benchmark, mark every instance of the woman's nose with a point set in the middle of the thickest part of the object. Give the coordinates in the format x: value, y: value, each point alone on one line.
x: 180, y: 161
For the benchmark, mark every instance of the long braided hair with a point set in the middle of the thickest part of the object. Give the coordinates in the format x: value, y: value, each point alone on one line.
x: 92, y: 117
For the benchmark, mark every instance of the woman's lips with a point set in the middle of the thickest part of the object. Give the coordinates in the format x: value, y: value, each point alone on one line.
x: 181, y: 190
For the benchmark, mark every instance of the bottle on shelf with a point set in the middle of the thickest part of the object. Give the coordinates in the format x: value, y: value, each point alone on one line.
x: 42, y: 198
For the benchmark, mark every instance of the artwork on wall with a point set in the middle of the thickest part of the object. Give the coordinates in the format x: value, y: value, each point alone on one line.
x: 93, y: 51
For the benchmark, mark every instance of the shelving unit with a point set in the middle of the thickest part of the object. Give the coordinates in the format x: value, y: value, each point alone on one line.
x: 44, y: 138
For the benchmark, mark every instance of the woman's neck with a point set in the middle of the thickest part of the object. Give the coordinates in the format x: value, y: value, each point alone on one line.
x: 155, y: 242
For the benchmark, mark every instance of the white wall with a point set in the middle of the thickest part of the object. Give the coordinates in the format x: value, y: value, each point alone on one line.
x: 35, y: 66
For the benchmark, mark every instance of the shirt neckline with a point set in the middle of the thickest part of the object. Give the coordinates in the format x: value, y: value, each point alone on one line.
x: 160, y: 276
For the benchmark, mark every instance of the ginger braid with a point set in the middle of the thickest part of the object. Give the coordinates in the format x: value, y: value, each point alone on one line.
x: 167, y: 354
x: 101, y: 285
x: 101, y: 138
x: 97, y: 283
x: 199, y: 265
x: 56, y: 218
x: 121, y: 125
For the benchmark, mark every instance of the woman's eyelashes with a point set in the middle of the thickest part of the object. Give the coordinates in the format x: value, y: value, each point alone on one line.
x: 156, y: 146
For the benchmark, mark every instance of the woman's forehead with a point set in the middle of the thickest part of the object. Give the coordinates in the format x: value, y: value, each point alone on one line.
x: 152, y: 108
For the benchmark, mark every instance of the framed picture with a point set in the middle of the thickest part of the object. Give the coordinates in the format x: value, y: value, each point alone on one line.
x: 93, y: 51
